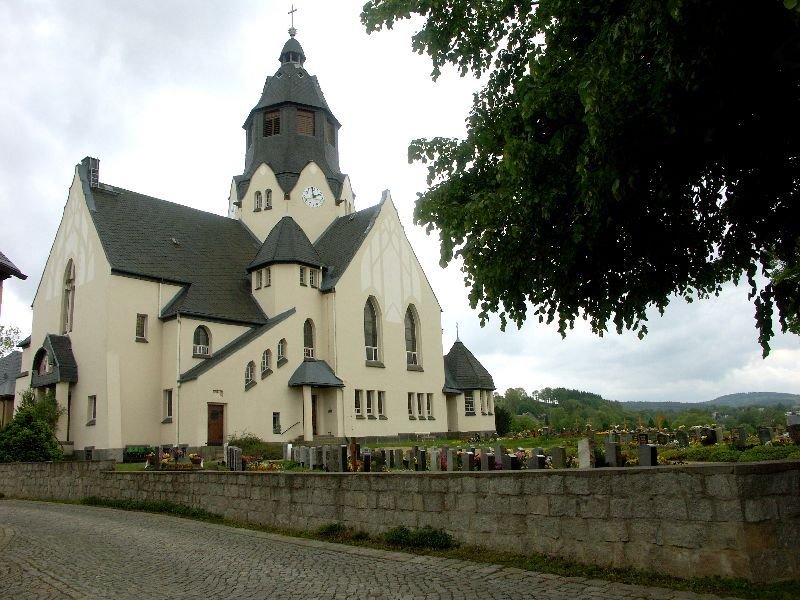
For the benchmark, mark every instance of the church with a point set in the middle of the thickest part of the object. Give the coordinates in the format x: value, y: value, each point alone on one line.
x: 295, y: 317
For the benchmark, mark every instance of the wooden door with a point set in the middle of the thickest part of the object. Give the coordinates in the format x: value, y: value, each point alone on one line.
x: 314, y: 414
x: 216, y: 424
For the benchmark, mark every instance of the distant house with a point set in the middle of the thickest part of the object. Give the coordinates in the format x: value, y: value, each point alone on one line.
x: 7, y: 269
x: 9, y: 370
x: 297, y: 316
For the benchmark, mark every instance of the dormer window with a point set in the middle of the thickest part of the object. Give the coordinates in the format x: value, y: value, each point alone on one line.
x: 305, y: 122
x: 272, y: 123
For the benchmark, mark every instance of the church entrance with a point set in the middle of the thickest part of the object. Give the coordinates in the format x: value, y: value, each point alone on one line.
x: 216, y: 424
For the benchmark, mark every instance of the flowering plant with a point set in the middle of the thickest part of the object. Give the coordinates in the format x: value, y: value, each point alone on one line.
x: 195, y: 456
x: 177, y: 453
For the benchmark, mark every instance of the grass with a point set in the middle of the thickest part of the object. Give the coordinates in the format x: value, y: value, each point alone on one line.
x: 433, y: 542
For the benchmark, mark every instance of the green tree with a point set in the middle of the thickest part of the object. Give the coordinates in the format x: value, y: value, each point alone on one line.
x: 45, y: 408
x: 9, y: 338
x: 502, y: 420
x: 621, y: 153
x: 28, y: 438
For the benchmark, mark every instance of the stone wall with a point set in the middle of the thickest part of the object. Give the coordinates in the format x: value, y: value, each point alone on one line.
x: 728, y: 520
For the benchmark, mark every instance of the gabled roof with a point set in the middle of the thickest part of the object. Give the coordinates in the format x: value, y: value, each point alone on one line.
x: 316, y: 373
x: 240, y: 342
x: 339, y: 243
x: 10, y: 366
x: 62, y: 361
x: 462, y: 371
x: 159, y: 240
x: 8, y: 268
x: 286, y: 243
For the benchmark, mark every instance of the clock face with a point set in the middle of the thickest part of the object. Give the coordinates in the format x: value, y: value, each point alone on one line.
x: 313, y: 197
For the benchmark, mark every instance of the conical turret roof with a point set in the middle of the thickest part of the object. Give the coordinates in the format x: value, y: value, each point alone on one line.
x: 462, y: 371
x: 286, y: 243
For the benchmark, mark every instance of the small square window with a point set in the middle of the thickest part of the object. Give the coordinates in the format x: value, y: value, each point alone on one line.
x: 276, y: 422
x: 141, y: 328
x: 357, y: 405
x: 166, y: 409
x: 91, y: 410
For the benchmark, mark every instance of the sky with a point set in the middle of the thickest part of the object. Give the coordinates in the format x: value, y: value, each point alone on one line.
x: 158, y: 91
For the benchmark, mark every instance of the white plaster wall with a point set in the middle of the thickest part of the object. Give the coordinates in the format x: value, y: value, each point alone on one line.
x: 385, y: 267
x: 77, y: 239
x: 312, y: 220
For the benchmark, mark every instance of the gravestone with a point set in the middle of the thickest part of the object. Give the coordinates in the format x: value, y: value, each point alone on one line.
x: 741, y: 438
x: 662, y: 439
x: 642, y: 439
x: 366, y: 462
x: 537, y: 451
x: 498, y: 452
x: 516, y: 462
x: 506, y: 458
x: 451, y: 459
x: 719, y: 434
x: 287, y: 452
x: 466, y: 461
x: 324, y: 459
x: 484, y: 460
x: 613, y: 455
x: 380, y: 460
x: 626, y: 438
x: 492, y: 462
x: 558, y: 457
x: 764, y: 435
x: 234, y: 458
x: 422, y: 460
x: 436, y: 464
x: 683, y: 438
x: 585, y: 454
x: 537, y: 461
x: 312, y: 456
x: 648, y: 455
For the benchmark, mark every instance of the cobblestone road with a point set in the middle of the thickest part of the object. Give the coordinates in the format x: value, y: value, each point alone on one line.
x: 66, y: 551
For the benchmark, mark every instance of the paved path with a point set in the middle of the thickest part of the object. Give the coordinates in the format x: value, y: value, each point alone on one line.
x: 67, y: 551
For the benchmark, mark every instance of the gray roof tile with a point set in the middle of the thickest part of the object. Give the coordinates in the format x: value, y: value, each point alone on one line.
x: 339, y: 243
x: 316, y: 373
x: 462, y: 371
x: 10, y: 367
x: 155, y: 239
x: 286, y: 243
x: 65, y: 368
x: 8, y: 268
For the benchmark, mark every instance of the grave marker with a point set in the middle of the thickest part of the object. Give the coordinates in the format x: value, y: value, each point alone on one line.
x: 585, y: 454
x: 558, y: 457
x: 451, y: 459
x: 613, y: 455
x: 648, y: 455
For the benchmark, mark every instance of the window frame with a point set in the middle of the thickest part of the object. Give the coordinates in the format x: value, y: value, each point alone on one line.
x: 303, y: 276
x: 312, y: 278
x: 469, y: 403
x: 271, y: 123
x: 304, y: 119
x: 268, y: 199
x: 141, y: 332
x: 429, y: 405
x: 267, y: 277
x: 266, y: 362
x: 197, y: 349
x: 283, y: 349
x: 381, y: 404
x: 68, y: 298
x: 91, y: 409
x: 167, y: 406
x: 372, y: 339
x: 250, y: 375
x: 308, y: 336
x: 276, y: 423
x: 358, y: 403
x: 411, y: 331
x: 370, y: 404
x: 411, y: 405
x: 257, y: 201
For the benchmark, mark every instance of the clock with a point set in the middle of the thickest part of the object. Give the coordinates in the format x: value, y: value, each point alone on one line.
x: 313, y: 196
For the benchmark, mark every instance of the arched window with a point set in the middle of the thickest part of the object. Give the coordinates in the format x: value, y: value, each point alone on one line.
x: 257, y: 203
x: 308, y: 339
x: 371, y: 330
x: 249, y: 373
x: 282, y: 350
x: 266, y: 361
x: 68, y: 298
x: 412, y: 358
x: 201, y: 342
x: 268, y: 200
x: 42, y: 362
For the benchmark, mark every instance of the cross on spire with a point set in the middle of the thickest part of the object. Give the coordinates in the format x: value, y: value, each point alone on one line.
x: 292, y: 30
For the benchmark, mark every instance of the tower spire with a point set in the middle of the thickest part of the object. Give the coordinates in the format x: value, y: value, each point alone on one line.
x: 292, y: 30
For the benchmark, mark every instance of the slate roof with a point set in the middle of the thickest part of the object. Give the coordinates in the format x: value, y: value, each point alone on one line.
x: 339, y: 243
x: 286, y: 243
x: 64, y: 367
x: 155, y: 239
x: 316, y: 373
x: 240, y: 342
x: 462, y: 371
x: 8, y: 268
x: 10, y: 367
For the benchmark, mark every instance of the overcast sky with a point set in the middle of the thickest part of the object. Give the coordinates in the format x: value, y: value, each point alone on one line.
x: 158, y: 91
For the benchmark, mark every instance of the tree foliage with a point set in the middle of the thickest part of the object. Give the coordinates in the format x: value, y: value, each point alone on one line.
x: 9, y: 338
x: 502, y: 420
x: 621, y: 153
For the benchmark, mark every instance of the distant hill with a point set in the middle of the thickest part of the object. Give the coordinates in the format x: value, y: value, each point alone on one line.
x: 755, y: 399
x: 734, y: 400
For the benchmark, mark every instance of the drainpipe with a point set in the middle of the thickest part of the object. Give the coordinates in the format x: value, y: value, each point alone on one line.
x: 178, y: 385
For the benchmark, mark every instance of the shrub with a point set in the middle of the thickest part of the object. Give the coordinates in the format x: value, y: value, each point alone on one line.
x: 502, y: 420
x: 28, y: 439
x: 253, y: 445
x: 759, y: 453
x: 336, y: 532
x: 712, y: 454
x: 427, y: 537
